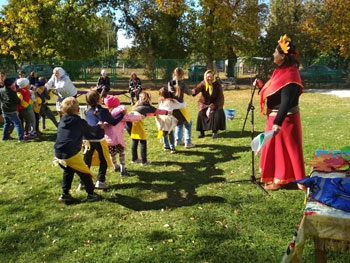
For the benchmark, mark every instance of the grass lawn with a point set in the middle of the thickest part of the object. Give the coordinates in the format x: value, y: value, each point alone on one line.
x: 182, y: 208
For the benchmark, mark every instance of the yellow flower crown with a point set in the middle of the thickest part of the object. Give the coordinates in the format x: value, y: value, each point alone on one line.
x: 284, y: 43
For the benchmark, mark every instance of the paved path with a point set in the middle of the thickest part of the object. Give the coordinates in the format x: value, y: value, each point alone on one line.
x: 336, y: 92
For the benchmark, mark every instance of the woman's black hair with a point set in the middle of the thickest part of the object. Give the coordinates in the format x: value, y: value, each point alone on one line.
x: 291, y: 58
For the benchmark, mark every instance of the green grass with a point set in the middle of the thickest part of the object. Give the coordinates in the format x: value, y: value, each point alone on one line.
x: 182, y: 208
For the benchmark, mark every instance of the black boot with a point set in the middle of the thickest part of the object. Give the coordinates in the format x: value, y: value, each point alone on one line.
x: 201, y: 134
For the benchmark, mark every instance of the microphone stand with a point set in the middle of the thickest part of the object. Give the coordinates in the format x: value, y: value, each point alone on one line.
x: 252, y: 179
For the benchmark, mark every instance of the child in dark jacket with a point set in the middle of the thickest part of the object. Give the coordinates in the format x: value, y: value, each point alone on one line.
x: 71, y: 130
x: 9, y: 102
x: 97, y: 142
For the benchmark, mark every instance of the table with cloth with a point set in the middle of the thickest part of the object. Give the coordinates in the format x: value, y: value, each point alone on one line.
x: 328, y: 226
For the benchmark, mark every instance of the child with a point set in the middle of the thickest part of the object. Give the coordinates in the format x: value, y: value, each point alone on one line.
x: 25, y: 108
x: 45, y: 110
x: 71, y: 130
x: 138, y: 133
x: 166, y: 123
x: 36, y: 107
x: 178, y: 88
x: 97, y: 142
x: 9, y: 101
x: 114, y: 135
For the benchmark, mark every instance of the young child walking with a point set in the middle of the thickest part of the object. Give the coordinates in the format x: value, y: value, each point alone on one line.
x: 167, y: 123
x: 138, y: 133
x: 71, y: 130
x: 92, y: 143
x: 114, y: 135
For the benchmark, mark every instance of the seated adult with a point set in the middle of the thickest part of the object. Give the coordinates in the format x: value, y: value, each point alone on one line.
x: 103, y: 84
x: 211, y: 115
x: 134, y: 87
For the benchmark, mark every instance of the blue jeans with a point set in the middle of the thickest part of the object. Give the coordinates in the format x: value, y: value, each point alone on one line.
x: 171, y: 137
x: 188, y: 133
x: 10, y: 119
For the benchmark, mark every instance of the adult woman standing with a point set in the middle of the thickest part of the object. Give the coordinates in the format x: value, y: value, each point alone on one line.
x: 282, y: 159
x: 211, y: 115
x: 62, y: 85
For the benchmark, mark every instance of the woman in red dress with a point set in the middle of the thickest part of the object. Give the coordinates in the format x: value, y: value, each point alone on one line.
x: 282, y: 160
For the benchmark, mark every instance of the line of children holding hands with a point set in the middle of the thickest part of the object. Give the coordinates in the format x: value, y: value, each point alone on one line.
x: 102, y: 136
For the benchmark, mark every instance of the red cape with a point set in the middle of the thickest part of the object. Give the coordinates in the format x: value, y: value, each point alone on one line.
x: 280, y: 78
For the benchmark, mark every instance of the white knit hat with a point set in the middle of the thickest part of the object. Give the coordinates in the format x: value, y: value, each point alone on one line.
x: 103, y: 71
x: 22, y: 82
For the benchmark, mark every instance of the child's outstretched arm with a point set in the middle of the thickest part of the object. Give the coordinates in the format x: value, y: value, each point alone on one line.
x: 157, y: 112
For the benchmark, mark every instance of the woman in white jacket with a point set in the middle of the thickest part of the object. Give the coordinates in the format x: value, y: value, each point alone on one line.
x: 62, y: 86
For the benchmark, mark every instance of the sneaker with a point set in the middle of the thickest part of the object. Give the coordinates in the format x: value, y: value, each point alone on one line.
x: 65, y: 198
x: 81, y: 187
x: 189, y: 145
x: 146, y: 163
x: 29, y: 137
x: 215, y: 135
x: 101, y: 185
x: 172, y: 151
x: 167, y: 149
x: 136, y: 161
x: 201, y: 135
x: 124, y: 173
x: 93, y: 197
x: 179, y: 143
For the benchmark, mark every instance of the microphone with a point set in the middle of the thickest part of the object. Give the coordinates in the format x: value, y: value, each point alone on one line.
x: 258, y: 83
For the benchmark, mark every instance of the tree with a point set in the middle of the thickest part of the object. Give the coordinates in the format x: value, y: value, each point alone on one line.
x: 328, y: 23
x: 227, y: 29
x: 54, y: 29
x: 285, y: 18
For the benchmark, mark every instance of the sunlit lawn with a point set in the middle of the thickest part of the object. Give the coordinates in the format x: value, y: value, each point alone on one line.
x: 185, y: 207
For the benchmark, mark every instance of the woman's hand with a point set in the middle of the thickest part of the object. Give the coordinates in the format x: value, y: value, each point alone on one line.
x: 276, y: 128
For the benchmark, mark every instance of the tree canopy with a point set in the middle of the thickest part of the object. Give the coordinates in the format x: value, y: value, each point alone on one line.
x: 171, y: 29
x: 51, y: 29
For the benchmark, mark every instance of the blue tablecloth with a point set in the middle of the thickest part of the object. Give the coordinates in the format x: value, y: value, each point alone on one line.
x: 321, y: 222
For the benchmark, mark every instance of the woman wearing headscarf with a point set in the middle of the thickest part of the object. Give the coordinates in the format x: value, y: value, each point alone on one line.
x: 282, y: 159
x: 211, y: 115
x: 62, y: 86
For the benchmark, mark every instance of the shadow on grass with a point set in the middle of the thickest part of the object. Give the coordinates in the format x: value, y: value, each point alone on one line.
x: 47, y: 137
x: 178, y: 188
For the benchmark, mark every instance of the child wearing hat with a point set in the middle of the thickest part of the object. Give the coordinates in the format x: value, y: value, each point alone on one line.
x: 25, y: 108
x: 114, y: 135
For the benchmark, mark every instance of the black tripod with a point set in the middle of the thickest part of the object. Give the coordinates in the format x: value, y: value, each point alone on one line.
x: 251, y: 109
